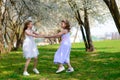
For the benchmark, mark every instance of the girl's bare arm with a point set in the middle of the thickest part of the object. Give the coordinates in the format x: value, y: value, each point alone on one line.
x: 57, y: 35
x: 30, y: 34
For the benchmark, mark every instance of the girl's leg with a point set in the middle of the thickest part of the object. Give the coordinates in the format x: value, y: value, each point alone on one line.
x: 26, y: 64
x: 35, y: 62
x: 35, y: 65
x: 69, y: 65
x: 70, y: 68
x: 60, y: 65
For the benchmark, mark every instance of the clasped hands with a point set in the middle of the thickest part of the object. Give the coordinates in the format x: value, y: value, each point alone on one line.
x: 41, y: 36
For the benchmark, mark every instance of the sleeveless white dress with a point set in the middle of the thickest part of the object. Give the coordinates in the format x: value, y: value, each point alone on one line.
x: 62, y: 55
x: 29, y: 47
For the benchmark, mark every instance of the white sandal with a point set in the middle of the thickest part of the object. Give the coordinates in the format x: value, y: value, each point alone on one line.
x: 36, y: 71
x: 61, y: 69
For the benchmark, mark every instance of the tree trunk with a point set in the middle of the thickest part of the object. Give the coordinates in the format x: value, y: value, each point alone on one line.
x: 50, y: 41
x: 19, y: 41
x: 73, y: 6
x: 114, y: 12
x: 78, y: 17
x: 59, y: 39
x: 84, y: 37
x: 87, y: 30
x: 2, y: 48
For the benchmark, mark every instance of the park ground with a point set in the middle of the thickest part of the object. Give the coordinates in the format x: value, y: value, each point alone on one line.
x: 103, y: 64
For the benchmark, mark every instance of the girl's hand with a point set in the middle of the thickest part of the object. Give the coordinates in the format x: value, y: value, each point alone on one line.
x: 58, y: 34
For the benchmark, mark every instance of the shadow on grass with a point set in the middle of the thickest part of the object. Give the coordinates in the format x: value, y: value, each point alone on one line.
x: 100, y: 65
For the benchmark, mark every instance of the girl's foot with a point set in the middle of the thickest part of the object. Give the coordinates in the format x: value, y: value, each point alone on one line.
x: 36, y: 71
x: 60, y: 69
x: 70, y: 70
x: 25, y: 73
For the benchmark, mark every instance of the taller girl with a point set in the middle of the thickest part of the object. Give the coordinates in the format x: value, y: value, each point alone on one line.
x: 62, y: 55
x: 29, y: 47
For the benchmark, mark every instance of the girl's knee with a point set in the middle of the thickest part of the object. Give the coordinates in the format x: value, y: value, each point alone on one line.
x: 28, y: 59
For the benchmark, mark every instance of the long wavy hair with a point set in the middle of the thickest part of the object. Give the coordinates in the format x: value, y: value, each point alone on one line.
x: 67, y: 24
x: 26, y: 25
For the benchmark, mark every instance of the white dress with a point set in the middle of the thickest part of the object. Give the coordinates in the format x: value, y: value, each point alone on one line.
x: 29, y: 47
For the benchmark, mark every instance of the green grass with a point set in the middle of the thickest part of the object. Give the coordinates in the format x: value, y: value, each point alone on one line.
x: 103, y: 64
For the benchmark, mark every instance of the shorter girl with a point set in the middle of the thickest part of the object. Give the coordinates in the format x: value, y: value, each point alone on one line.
x: 62, y: 56
x: 29, y: 47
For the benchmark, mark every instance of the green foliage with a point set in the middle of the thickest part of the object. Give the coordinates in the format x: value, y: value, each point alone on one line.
x: 103, y: 64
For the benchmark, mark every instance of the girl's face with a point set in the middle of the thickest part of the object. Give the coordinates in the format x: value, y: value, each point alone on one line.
x: 63, y: 25
x: 30, y: 25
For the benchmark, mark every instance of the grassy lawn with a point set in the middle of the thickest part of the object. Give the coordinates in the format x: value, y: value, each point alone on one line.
x: 103, y: 64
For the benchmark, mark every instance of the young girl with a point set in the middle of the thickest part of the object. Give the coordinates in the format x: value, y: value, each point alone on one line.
x: 29, y: 47
x: 62, y: 56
